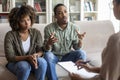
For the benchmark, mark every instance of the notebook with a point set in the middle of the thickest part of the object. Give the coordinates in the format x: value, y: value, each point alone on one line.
x: 72, y: 68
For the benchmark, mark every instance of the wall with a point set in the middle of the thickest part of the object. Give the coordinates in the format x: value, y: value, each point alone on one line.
x: 105, y: 12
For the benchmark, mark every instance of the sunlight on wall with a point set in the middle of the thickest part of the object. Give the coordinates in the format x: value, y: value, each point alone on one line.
x: 106, y: 13
x: 116, y: 22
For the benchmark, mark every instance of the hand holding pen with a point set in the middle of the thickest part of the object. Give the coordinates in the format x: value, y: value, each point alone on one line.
x: 82, y: 64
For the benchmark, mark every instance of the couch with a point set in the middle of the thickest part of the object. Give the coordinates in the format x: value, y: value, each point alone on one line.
x: 97, y: 34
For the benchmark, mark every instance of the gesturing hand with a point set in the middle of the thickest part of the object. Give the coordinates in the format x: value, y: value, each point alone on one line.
x: 80, y: 36
x: 52, y: 39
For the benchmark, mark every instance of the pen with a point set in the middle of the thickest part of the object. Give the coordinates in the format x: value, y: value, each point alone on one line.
x: 85, y: 62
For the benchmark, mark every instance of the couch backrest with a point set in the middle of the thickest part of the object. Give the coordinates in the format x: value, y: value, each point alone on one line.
x: 40, y: 27
x: 4, y: 27
x: 97, y: 34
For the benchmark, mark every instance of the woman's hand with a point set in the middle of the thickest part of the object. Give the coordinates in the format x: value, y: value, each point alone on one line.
x: 84, y: 64
x: 33, y: 60
x: 74, y: 76
x: 78, y: 63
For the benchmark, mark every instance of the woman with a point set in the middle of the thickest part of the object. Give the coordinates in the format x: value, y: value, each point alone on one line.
x: 23, y: 45
x: 110, y: 69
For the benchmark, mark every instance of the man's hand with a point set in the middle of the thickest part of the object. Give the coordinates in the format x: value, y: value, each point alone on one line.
x: 80, y: 36
x: 52, y: 39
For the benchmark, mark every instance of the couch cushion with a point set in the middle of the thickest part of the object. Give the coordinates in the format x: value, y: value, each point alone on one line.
x: 4, y: 73
x: 95, y: 58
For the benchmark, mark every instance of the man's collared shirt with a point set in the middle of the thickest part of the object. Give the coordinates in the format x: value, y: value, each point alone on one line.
x: 67, y: 38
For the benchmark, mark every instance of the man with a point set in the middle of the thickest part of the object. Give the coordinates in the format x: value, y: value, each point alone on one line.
x: 60, y: 37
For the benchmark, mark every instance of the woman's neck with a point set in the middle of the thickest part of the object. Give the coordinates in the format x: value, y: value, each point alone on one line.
x: 24, y: 35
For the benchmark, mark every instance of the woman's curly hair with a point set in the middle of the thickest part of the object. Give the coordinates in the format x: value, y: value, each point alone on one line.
x: 16, y: 14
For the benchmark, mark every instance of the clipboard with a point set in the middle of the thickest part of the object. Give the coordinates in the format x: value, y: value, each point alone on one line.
x: 69, y: 66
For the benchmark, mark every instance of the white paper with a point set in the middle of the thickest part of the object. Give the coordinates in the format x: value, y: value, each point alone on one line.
x: 70, y: 67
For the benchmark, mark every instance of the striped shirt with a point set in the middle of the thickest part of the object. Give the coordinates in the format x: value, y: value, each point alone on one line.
x: 67, y: 38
